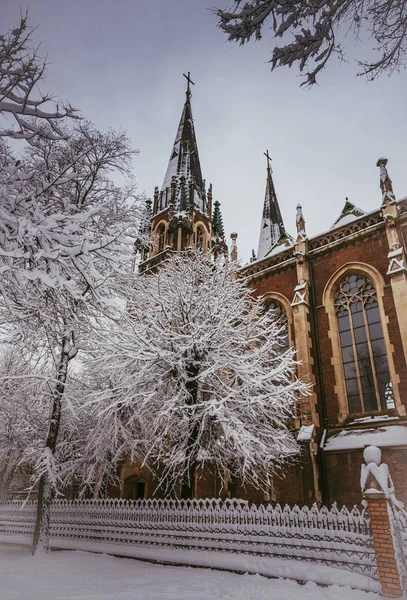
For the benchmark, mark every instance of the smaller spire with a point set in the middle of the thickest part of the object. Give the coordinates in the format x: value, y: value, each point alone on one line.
x: 217, y: 222
x: 272, y: 227
x: 386, y: 184
x: 233, y: 247
x: 219, y: 246
x: 300, y: 222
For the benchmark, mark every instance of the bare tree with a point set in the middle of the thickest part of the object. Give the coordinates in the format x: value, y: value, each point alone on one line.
x: 314, y: 27
x: 21, y: 71
x: 197, y: 377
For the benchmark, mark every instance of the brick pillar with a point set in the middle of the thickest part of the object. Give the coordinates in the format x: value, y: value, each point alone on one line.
x: 383, y: 544
x: 378, y: 491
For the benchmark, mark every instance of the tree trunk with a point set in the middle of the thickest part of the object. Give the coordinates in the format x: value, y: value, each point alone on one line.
x: 6, y: 477
x: 45, y: 492
x: 191, y: 452
x: 3, y: 490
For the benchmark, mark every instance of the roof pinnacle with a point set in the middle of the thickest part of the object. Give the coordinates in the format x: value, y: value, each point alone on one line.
x: 266, y: 154
x: 188, y: 78
x: 386, y: 184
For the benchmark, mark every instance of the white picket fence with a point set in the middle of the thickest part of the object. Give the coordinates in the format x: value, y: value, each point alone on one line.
x: 337, y: 536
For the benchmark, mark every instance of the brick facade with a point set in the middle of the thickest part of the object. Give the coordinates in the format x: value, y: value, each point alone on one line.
x: 303, y: 276
x: 360, y: 246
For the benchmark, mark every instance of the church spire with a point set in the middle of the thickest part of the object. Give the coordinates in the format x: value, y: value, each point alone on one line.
x: 272, y: 226
x: 182, y: 210
x: 184, y: 163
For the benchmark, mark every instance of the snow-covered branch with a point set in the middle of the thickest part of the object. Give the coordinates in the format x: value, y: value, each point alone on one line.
x: 314, y: 27
x: 37, y: 115
x: 196, y: 376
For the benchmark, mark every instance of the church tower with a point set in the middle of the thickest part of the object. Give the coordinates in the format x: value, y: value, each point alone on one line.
x: 181, y: 215
x: 272, y: 231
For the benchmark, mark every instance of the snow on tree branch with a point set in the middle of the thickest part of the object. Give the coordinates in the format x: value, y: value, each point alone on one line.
x: 66, y: 249
x: 196, y: 376
x: 37, y: 115
x: 314, y: 27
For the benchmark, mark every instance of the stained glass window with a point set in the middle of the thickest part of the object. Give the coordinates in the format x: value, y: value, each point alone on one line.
x: 364, y: 358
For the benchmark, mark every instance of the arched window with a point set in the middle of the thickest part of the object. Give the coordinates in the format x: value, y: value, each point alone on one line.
x: 364, y: 359
x: 199, y: 238
x: 277, y: 310
x: 161, y: 238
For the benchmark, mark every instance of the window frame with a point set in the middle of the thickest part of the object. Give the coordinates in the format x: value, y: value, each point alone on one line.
x: 275, y: 296
x: 328, y: 301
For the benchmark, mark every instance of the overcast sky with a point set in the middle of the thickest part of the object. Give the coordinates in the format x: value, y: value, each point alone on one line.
x: 121, y: 63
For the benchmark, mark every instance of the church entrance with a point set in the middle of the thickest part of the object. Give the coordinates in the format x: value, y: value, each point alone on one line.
x: 134, y: 488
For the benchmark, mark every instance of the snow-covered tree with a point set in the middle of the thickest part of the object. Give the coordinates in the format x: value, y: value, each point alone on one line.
x: 26, y: 387
x: 25, y: 112
x: 196, y: 376
x: 23, y: 415
x: 312, y: 29
x: 66, y: 243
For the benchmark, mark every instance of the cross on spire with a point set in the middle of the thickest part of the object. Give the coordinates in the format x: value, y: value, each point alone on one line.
x: 266, y: 154
x: 188, y: 78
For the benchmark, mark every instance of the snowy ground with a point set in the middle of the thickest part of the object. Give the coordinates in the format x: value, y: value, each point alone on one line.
x: 86, y: 576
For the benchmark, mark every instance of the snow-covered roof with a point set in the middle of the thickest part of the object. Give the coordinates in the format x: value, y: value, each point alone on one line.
x: 284, y: 243
x: 349, y: 213
x: 305, y: 433
x: 394, y: 435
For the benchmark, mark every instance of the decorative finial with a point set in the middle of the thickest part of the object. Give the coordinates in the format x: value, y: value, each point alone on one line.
x: 300, y: 222
x: 266, y: 154
x: 233, y: 247
x: 188, y: 78
x: 385, y: 182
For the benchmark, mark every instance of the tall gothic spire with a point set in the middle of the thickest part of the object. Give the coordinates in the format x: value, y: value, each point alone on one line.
x: 272, y: 226
x: 182, y: 210
x: 184, y: 163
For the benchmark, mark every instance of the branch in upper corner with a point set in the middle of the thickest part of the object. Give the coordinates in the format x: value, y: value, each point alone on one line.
x: 310, y: 30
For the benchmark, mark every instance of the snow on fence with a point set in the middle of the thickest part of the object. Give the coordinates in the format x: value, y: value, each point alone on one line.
x: 336, y: 537
x: 400, y: 539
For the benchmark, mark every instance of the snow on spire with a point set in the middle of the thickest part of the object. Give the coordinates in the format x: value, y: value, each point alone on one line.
x: 272, y: 226
x: 300, y: 222
x: 233, y: 247
x: 386, y: 184
x: 184, y: 160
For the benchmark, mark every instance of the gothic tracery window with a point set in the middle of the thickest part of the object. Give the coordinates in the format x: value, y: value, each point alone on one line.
x: 280, y: 315
x: 161, y: 238
x: 364, y: 358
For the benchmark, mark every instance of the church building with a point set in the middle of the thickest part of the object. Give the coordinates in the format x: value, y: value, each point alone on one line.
x: 341, y: 298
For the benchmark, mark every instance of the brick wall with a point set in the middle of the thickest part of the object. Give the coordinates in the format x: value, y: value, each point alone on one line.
x: 343, y: 470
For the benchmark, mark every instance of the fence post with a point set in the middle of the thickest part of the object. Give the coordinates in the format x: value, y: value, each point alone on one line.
x: 377, y: 488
